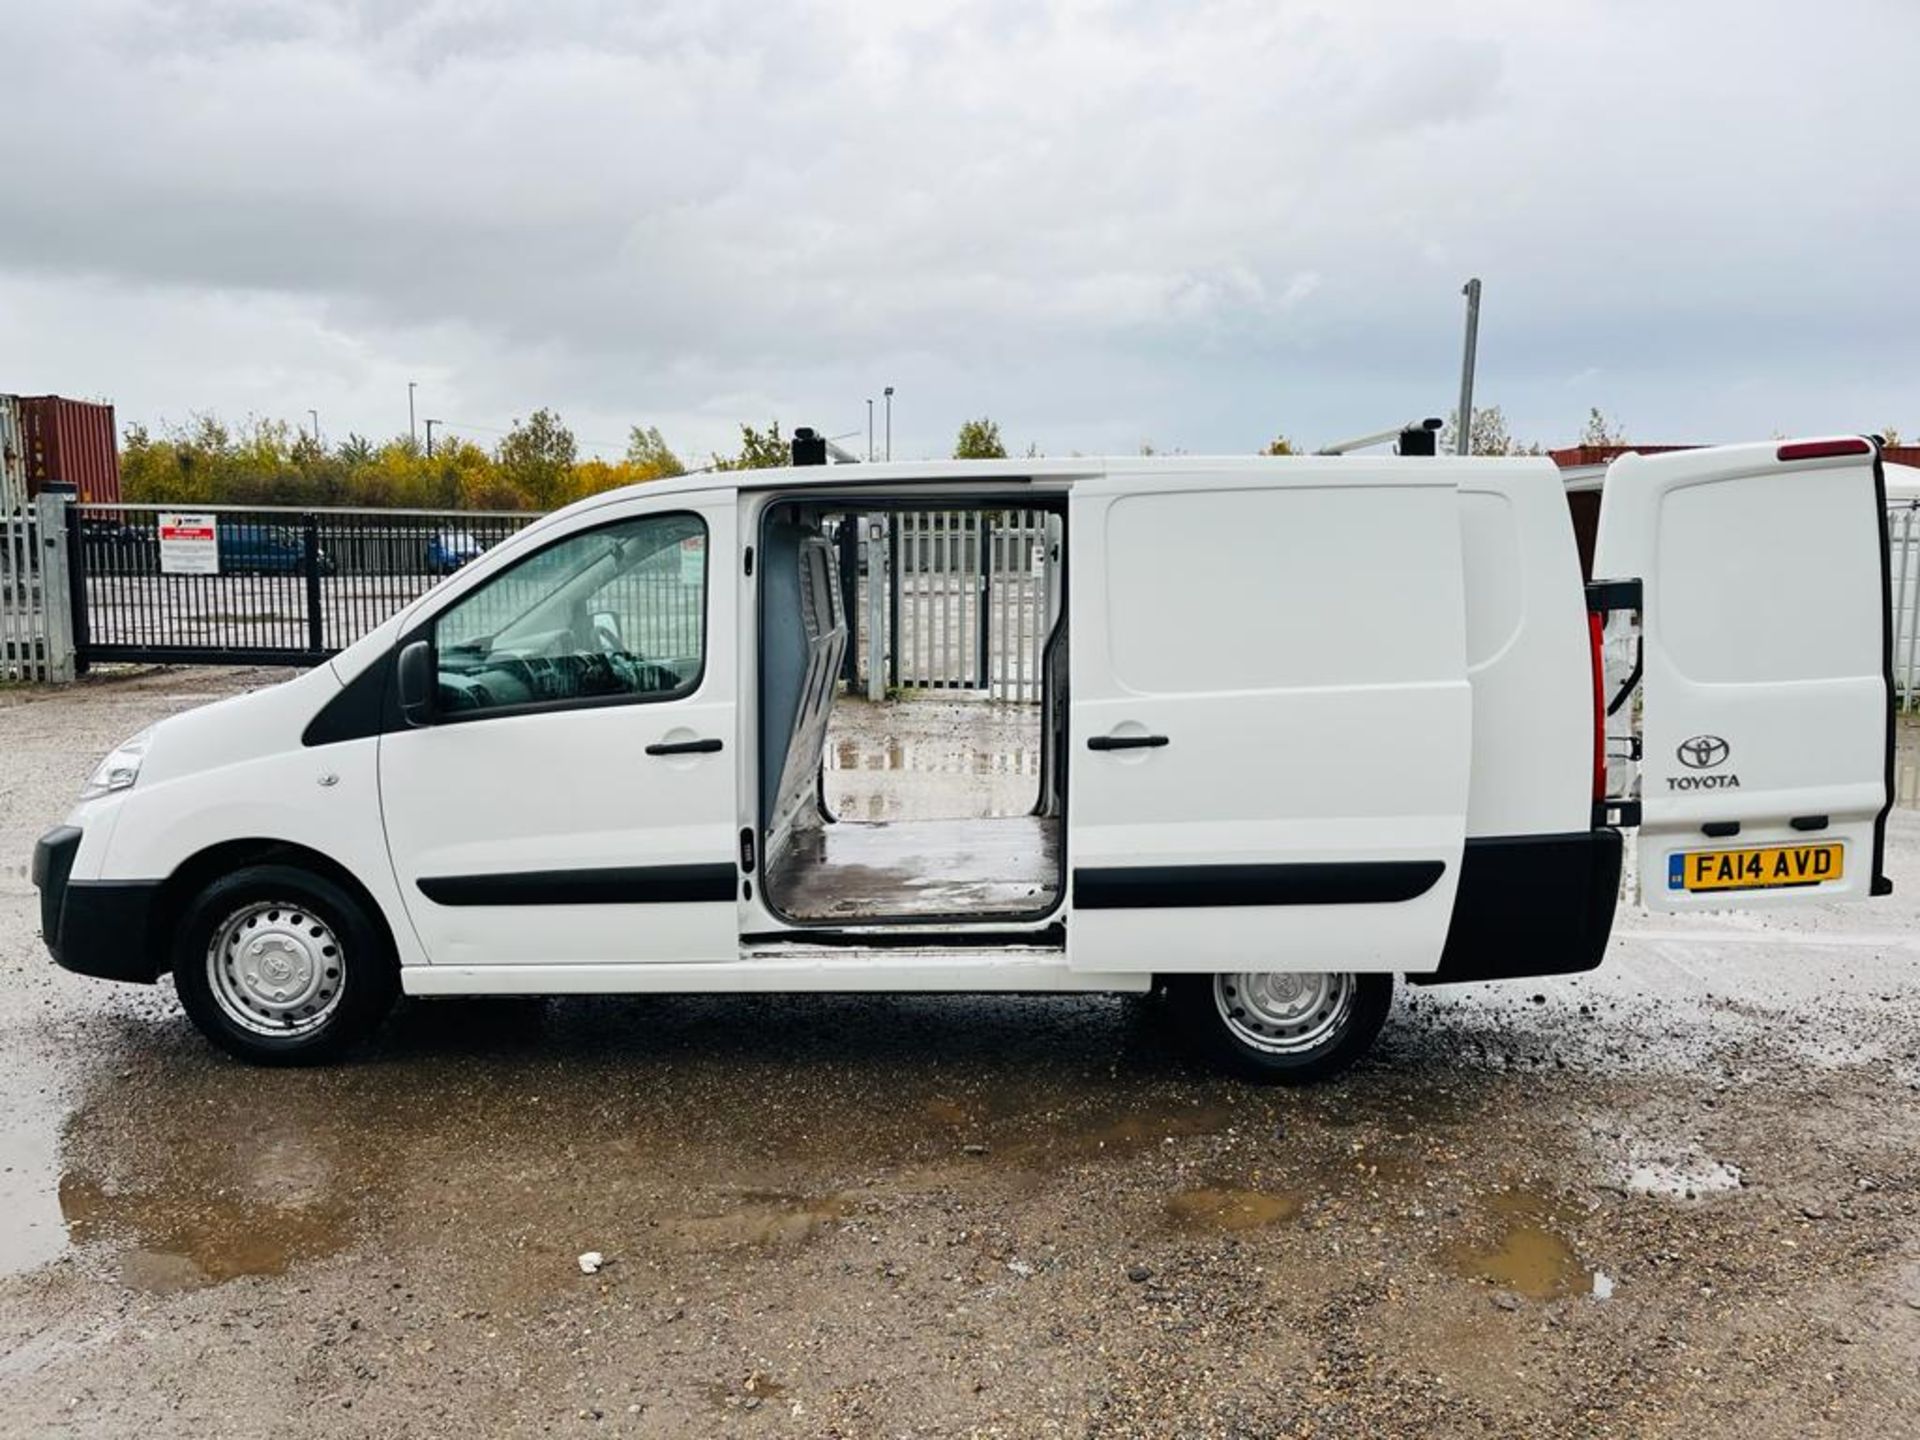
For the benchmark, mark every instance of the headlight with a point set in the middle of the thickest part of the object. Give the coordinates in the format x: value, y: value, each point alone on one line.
x: 120, y: 769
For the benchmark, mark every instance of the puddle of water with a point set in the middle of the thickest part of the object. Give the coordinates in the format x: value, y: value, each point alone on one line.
x: 1229, y: 1207
x: 957, y: 759
x: 1133, y: 1132
x: 279, y: 1203
x: 764, y: 1219
x: 1526, y: 1255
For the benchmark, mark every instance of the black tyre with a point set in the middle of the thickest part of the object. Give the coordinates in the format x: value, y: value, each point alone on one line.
x: 1281, y: 1027
x: 281, y: 966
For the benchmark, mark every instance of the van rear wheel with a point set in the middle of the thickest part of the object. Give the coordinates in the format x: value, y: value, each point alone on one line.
x: 1282, y: 1027
x: 280, y: 966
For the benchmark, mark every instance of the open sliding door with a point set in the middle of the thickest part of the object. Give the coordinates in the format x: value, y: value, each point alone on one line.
x: 1270, y: 717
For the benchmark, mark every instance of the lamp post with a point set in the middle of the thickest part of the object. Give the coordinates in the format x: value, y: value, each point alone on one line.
x: 412, y: 436
x: 316, y: 427
x: 1463, y: 423
x: 430, y: 424
x: 869, y: 429
x: 888, y: 392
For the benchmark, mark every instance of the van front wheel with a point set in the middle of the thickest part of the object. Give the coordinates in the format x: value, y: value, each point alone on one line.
x: 1282, y: 1027
x: 281, y: 966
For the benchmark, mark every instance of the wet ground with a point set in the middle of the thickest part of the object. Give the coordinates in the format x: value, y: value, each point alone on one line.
x: 1679, y: 1196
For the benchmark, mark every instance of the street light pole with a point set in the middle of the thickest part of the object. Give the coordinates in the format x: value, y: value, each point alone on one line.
x: 413, y: 437
x: 1463, y: 421
x: 869, y: 429
x: 889, y: 394
x: 316, y: 427
x: 430, y: 424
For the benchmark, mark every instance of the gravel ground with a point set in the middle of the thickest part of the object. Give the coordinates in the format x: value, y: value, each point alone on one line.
x: 1678, y: 1196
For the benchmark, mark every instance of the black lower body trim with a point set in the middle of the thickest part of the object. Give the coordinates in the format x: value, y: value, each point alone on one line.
x: 53, y: 857
x: 1180, y: 887
x: 94, y: 927
x: 1531, y: 905
x: 625, y: 885
x: 103, y: 930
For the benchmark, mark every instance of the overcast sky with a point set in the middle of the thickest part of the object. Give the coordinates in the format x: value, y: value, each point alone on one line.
x: 1194, y: 224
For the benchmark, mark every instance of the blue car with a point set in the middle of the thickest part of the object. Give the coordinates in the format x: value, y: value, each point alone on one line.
x: 253, y: 548
x: 450, y: 549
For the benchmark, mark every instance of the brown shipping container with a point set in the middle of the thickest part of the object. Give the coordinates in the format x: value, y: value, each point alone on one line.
x: 70, y: 440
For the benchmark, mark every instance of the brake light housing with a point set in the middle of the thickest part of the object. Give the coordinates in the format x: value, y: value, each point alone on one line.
x: 1824, y: 449
x: 1596, y: 628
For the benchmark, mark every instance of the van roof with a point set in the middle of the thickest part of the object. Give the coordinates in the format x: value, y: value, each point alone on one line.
x: 1073, y: 467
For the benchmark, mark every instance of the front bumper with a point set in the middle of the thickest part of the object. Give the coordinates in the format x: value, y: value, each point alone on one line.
x: 94, y: 927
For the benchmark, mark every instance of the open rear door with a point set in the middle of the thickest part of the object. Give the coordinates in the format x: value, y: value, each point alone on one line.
x: 1763, y: 723
x: 1270, y: 717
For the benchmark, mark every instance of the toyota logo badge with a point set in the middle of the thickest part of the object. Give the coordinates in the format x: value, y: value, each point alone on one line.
x: 1703, y: 752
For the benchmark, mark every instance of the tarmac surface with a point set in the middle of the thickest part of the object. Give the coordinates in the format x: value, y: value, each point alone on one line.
x: 1676, y: 1196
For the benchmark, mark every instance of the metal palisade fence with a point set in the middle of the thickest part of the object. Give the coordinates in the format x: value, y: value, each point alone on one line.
x: 36, y: 641
x: 1903, y: 542
x: 972, y: 600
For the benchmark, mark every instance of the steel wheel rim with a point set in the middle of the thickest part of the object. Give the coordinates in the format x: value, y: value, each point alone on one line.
x: 1284, y: 1012
x: 276, y: 969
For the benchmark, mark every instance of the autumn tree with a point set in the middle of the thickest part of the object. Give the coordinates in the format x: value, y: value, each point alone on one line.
x: 759, y: 450
x: 1280, y: 445
x: 356, y: 449
x: 1487, y: 435
x: 647, y: 450
x: 269, y: 462
x: 979, y: 440
x: 1601, y: 429
x: 537, y: 458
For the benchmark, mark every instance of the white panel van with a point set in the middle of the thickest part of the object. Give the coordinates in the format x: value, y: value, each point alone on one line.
x: 1308, y: 724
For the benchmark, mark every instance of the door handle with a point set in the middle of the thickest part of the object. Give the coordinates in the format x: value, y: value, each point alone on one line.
x: 683, y: 747
x: 1126, y: 742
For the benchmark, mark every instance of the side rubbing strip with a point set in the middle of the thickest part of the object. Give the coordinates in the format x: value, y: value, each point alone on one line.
x: 1175, y: 887
x: 631, y: 885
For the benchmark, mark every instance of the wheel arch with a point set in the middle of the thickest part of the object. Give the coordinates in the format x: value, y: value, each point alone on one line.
x: 202, y: 868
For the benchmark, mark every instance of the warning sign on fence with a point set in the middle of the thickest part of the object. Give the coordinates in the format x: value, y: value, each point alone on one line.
x: 189, y: 544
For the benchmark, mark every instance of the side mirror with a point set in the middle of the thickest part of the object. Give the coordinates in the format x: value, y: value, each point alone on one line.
x: 416, y: 675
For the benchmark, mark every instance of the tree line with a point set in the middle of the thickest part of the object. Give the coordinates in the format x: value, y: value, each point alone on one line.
x: 536, y: 465
x: 1486, y: 435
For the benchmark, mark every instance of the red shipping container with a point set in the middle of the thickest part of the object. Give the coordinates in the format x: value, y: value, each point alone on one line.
x: 70, y: 440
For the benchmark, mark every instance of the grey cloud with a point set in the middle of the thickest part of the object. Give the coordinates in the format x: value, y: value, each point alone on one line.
x: 1105, y: 223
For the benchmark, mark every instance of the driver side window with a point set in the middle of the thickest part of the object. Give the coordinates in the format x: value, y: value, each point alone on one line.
x: 612, y: 614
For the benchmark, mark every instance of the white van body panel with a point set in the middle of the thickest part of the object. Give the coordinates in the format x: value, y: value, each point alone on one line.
x: 574, y: 793
x: 1527, y: 653
x: 1291, y: 639
x: 236, y: 770
x: 1766, y: 695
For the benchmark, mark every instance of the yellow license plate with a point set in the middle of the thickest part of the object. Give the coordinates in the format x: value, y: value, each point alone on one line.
x: 1765, y: 867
